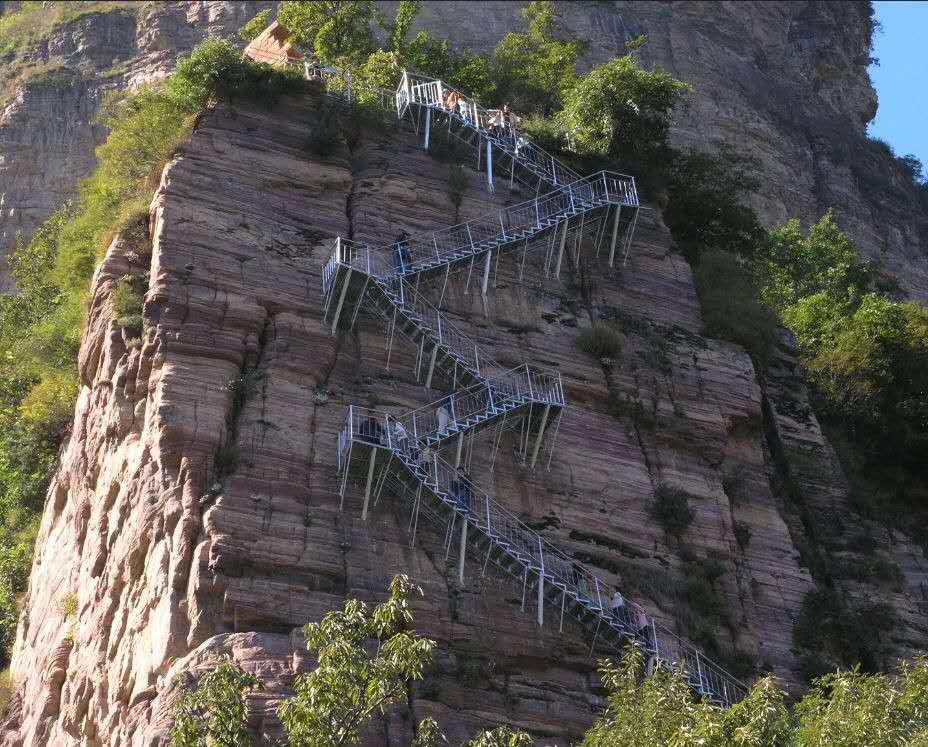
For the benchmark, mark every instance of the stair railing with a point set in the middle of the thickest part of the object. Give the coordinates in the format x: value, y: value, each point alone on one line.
x: 433, y: 93
x: 429, y: 250
x: 513, y: 388
x: 526, y: 547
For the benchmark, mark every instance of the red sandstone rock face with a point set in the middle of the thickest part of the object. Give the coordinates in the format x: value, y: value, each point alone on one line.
x: 169, y: 572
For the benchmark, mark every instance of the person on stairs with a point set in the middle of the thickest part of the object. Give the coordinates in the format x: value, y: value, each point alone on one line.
x: 400, y: 437
x: 617, y: 606
x: 401, y: 256
x: 443, y: 417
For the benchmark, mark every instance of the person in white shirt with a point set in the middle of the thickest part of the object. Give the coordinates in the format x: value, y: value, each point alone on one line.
x: 617, y: 605
x: 443, y: 417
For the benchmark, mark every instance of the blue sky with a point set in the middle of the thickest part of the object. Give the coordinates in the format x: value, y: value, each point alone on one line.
x: 901, y: 78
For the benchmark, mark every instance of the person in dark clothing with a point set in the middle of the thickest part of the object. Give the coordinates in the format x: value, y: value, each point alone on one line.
x: 401, y: 251
x: 371, y: 431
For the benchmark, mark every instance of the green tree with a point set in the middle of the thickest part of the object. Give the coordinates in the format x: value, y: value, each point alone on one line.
x: 398, y: 29
x: 255, y: 26
x: 729, y: 305
x: 619, y: 110
x: 333, y: 30
x: 706, y: 207
x: 850, y: 709
x: 501, y: 736
x: 792, y: 266
x: 213, y: 712
x: 843, y: 709
x: 473, y: 74
x: 534, y: 67
x: 352, y: 682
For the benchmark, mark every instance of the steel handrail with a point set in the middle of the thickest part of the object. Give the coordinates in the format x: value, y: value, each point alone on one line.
x: 425, y: 251
x: 533, y: 551
x: 432, y: 93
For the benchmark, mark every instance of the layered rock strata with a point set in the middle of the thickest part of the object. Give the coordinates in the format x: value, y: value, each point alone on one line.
x: 185, y: 526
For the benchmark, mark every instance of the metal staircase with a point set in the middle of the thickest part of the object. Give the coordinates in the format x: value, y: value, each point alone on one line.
x: 401, y: 453
x: 470, y: 123
x: 433, y: 489
x: 353, y: 265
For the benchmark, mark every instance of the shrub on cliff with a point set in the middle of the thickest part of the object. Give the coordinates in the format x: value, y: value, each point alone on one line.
x: 601, y: 341
x: 866, y: 354
x: 729, y: 304
x: 620, y: 111
x: 216, y: 68
x: 705, y: 209
x: 671, y: 509
x: 255, y: 26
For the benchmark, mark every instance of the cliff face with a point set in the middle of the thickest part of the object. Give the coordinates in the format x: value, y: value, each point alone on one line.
x: 47, y: 128
x: 784, y: 82
x: 167, y: 571
x: 173, y: 559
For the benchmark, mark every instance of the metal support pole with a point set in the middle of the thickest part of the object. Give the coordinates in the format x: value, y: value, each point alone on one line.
x: 595, y: 635
x: 524, y: 585
x: 541, y: 432
x: 341, y: 301
x: 428, y: 126
x: 420, y: 356
x: 560, y: 251
x: 541, y: 585
x: 444, y: 284
x: 428, y: 379
x: 470, y: 270
x: 490, y: 166
x: 560, y: 628
x: 367, y: 487
x: 457, y: 456
x: 631, y: 235
x: 415, y: 525
x: 392, y: 332
x: 486, y: 273
x: 357, y: 307
x: 615, y: 233
x: 463, y: 551
x: 557, y: 426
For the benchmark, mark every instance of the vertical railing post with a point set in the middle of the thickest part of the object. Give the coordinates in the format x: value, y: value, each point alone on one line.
x: 438, y: 317
x: 476, y: 359
x: 541, y: 584
x: 415, y: 432
x: 489, y: 525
